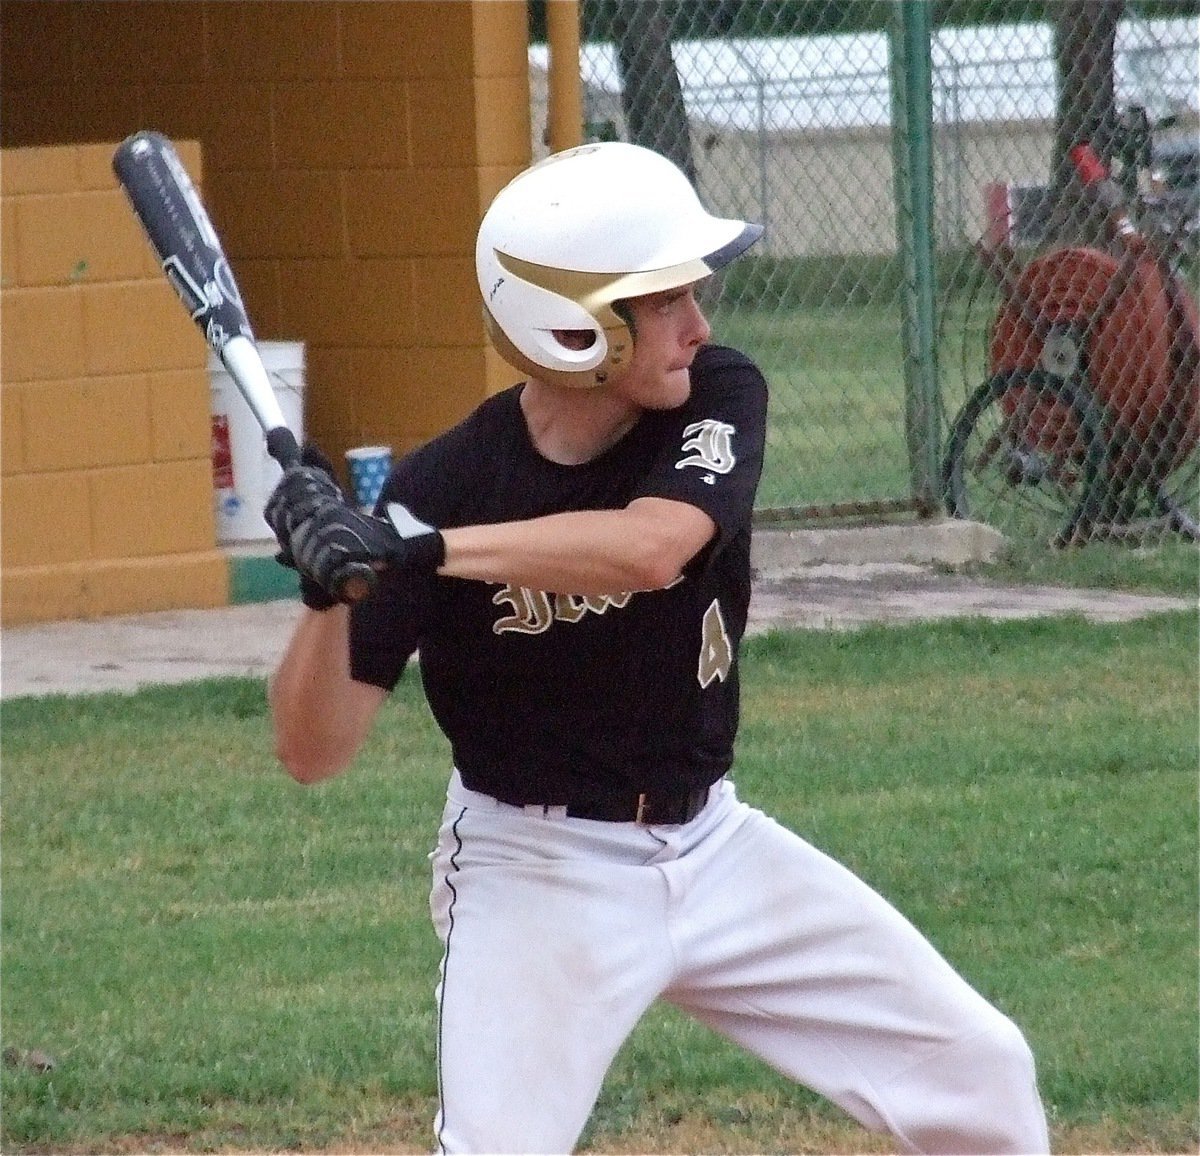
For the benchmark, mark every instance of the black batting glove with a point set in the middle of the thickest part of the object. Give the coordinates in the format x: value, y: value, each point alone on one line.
x: 301, y: 491
x: 337, y: 535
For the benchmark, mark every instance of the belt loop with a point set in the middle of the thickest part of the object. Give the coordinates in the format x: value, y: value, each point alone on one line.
x: 641, y: 809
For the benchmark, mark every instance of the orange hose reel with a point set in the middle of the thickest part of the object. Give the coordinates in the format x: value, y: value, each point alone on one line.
x: 1149, y: 391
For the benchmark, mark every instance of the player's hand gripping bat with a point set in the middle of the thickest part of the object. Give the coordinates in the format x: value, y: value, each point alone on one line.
x: 178, y: 227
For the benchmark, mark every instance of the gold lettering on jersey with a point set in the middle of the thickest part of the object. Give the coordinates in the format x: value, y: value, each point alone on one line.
x: 572, y: 607
x: 533, y: 611
x: 710, y: 444
x: 716, y: 651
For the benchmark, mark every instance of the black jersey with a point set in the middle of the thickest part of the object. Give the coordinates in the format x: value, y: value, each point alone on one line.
x: 547, y: 697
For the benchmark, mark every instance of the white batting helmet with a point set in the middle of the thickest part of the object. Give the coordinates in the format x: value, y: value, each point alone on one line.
x: 579, y: 231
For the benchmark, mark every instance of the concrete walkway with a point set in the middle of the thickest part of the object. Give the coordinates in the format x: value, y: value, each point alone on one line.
x: 829, y: 596
x: 811, y: 579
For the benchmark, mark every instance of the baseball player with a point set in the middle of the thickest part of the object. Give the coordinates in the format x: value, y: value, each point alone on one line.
x: 572, y: 564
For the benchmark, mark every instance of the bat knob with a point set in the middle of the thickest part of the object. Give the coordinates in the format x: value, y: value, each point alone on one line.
x: 282, y: 446
x: 354, y: 582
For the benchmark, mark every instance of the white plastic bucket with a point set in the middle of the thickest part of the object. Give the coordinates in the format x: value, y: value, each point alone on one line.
x: 244, y: 474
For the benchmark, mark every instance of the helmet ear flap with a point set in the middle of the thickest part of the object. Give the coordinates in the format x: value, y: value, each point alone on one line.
x: 619, y: 334
x: 614, y: 340
x: 533, y: 316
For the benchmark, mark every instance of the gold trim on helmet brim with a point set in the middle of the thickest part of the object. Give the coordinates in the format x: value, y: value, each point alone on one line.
x: 597, y: 290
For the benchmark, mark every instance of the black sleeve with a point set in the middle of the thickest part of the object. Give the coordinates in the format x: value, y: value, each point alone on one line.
x: 385, y: 630
x: 442, y: 483
x: 713, y: 445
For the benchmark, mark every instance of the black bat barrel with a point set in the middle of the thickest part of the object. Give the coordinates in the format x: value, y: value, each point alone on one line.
x: 177, y: 224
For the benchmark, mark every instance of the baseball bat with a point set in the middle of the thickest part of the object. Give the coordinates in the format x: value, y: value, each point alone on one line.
x: 177, y: 225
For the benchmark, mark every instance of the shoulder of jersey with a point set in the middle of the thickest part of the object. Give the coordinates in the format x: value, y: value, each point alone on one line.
x: 721, y: 357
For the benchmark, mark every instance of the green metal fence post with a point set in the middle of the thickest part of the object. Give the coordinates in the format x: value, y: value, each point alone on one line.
x: 912, y: 151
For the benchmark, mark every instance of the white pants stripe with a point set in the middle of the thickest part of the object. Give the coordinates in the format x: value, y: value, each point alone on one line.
x: 559, y: 933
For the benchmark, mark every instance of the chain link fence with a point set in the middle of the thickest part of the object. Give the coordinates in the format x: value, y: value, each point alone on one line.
x: 943, y: 312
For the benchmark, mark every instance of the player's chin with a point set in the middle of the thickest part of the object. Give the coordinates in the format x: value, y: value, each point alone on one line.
x: 672, y: 390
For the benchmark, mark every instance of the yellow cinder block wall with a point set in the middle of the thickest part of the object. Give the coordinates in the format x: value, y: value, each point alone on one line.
x: 106, y: 490
x: 349, y: 152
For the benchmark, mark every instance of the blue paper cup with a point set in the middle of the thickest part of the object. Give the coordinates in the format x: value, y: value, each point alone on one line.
x: 369, y: 467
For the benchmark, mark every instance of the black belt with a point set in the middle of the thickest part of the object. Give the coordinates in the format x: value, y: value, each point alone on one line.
x: 649, y: 808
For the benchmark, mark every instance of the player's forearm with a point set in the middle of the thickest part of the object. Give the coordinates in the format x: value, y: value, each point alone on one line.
x: 320, y: 715
x: 583, y: 552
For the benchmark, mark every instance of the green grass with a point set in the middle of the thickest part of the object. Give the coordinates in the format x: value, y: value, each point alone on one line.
x: 826, y: 332
x: 1171, y: 566
x: 836, y: 419
x: 219, y: 959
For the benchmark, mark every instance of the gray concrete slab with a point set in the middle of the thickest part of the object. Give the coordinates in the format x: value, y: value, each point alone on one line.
x: 843, y: 597
x: 131, y: 651
x: 949, y: 541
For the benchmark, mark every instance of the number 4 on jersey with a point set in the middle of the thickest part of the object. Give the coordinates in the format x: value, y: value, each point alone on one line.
x: 716, y: 653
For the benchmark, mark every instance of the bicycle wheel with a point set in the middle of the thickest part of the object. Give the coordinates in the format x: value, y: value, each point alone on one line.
x: 1026, y: 454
